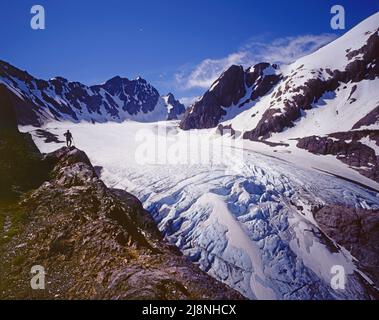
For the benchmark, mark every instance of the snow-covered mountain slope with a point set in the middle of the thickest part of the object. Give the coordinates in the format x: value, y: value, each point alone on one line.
x: 245, y: 217
x: 321, y: 98
x: 329, y: 90
x: 38, y: 101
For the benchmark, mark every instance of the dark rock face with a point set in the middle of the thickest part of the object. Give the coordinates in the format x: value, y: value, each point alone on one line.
x: 348, y: 149
x: 262, y: 78
x: 207, y: 112
x: 7, y: 115
x: 136, y: 95
x: 35, y: 101
x: 222, y: 130
x: 21, y: 165
x: 177, y: 108
x: 48, y: 136
x: 365, y: 68
x: 355, y: 229
x: 371, y: 118
x: 95, y: 243
x: 229, y: 90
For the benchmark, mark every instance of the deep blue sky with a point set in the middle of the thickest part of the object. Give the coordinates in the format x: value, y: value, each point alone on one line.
x: 91, y: 41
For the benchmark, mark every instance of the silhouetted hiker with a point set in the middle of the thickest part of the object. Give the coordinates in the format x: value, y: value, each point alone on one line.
x: 68, y: 136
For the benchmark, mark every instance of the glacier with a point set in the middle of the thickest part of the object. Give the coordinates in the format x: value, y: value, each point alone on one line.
x: 244, y: 216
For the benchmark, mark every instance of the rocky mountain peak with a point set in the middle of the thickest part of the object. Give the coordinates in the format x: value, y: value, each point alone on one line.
x: 175, y: 108
x: 233, y: 89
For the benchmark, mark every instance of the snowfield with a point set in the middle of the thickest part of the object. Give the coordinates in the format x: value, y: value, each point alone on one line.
x: 242, y: 212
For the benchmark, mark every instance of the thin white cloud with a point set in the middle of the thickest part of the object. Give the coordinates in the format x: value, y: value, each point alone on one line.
x: 280, y: 51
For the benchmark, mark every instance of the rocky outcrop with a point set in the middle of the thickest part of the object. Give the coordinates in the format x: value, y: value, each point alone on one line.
x: 94, y: 243
x: 355, y: 229
x: 370, y: 119
x: 8, y: 119
x: 175, y: 108
x: 230, y: 90
x: 348, y: 148
x: 21, y: 165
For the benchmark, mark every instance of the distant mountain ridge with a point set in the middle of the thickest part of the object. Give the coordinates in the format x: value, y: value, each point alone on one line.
x: 37, y: 101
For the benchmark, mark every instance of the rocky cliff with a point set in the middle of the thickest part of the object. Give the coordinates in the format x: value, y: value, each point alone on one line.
x: 94, y: 243
x: 356, y: 230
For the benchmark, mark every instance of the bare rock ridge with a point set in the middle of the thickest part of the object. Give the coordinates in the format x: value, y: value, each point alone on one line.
x: 96, y: 243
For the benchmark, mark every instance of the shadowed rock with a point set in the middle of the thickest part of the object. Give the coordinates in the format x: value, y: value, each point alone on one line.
x: 355, y: 229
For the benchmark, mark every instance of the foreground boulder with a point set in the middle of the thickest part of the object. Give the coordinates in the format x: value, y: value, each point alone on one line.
x: 94, y: 243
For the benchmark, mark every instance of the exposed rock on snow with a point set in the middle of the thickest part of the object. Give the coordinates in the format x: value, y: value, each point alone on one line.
x: 334, y: 86
x: 370, y: 119
x: 349, y: 148
x: 175, y: 108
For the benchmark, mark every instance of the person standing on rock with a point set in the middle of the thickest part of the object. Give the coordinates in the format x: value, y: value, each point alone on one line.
x: 69, y: 138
